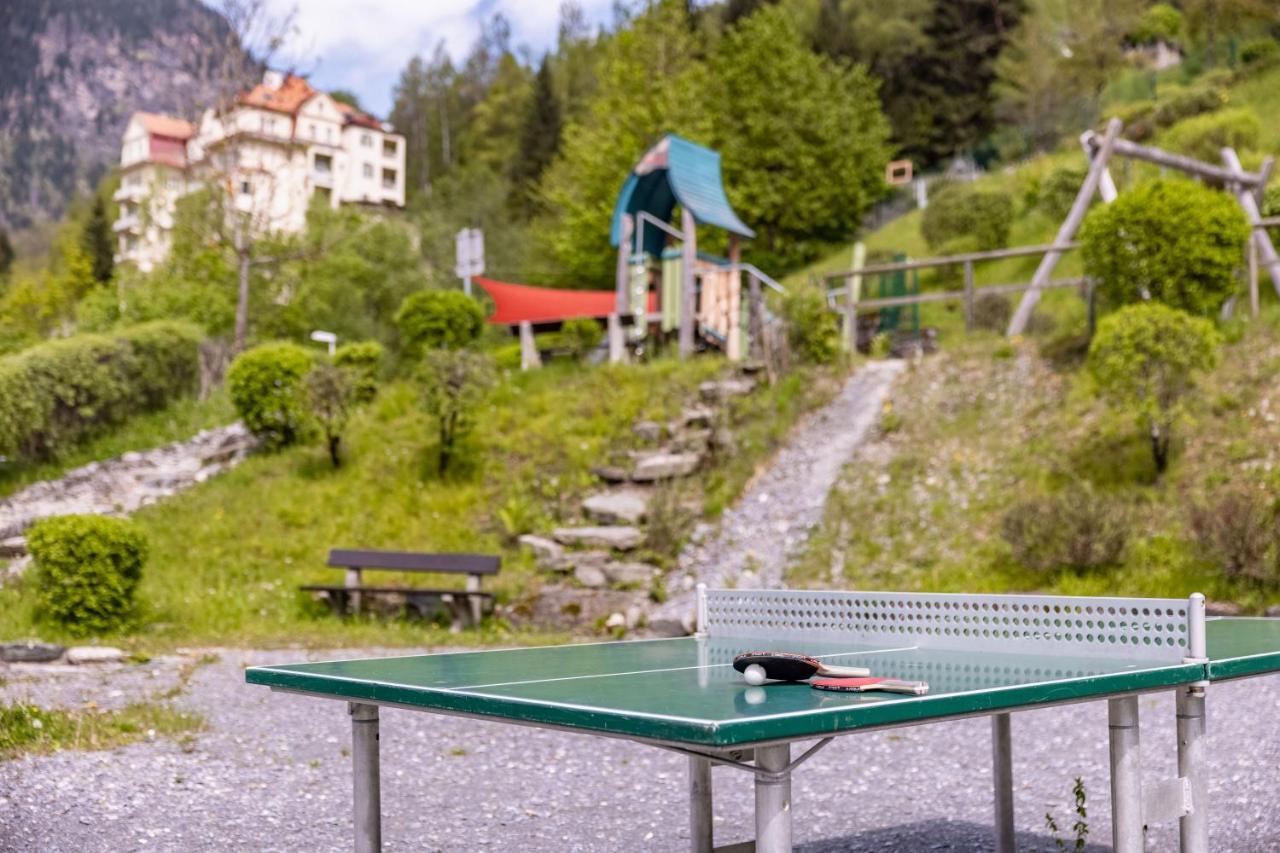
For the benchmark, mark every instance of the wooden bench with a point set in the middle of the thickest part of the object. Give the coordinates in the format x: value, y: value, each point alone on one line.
x: 463, y: 604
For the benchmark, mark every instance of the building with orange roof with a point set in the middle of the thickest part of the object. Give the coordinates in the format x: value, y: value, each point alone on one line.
x: 278, y: 146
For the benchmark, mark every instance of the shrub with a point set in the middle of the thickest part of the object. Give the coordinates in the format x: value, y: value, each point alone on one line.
x: 439, y: 319
x: 1184, y: 103
x: 362, y: 362
x: 329, y: 395
x: 1236, y: 529
x: 1159, y: 22
x: 1137, y: 116
x: 951, y: 277
x: 1058, y: 191
x: 1169, y: 240
x: 1259, y: 50
x: 1145, y: 359
x: 962, y: 210
x: 813, y: 330
x: 992, y: 311
x: 1072, y: 529
x: 1204, y: 136
x: 87, y: 570
x: 580, y: 336
x: 266, y: 388
x: 55, y: 394
x: 453, y: 383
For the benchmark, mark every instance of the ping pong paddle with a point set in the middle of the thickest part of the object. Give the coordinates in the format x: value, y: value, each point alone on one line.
x: 788, y: 666
x: 859, y: 685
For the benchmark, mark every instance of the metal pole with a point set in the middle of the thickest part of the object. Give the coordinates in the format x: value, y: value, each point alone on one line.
x: 773, y: 800
x: 624, y: 257
x: 688, y: 296
x: 1002, y: 774
x: 367, y: 788
x: 1128, y: 835
x: 1193, y: 829
x: 968, y: 296
x: 700, y: 809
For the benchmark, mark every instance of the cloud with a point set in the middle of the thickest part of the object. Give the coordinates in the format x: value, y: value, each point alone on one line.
x: 362, y: 46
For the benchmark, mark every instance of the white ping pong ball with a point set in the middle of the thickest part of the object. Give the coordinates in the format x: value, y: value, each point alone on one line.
x: 754, y: 674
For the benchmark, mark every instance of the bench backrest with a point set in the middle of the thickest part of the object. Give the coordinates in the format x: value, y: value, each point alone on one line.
x: 410, y: 561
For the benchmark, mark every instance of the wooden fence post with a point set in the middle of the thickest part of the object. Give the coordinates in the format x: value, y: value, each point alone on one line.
x: 755, y: 317
x: 529, y: 358
x: 1244, y: 194
x: 1252, y: 250
x: 854, y: 291
x: 968, y: 296
x: 616, y: 346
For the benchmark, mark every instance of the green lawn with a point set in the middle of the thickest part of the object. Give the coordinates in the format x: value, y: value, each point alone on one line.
x: 227, y: 556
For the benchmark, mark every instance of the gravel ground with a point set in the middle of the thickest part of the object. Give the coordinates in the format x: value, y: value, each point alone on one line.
x: 773, y: 517
x: 272, y: 774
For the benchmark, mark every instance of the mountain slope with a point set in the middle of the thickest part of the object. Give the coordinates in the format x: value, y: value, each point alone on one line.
x: 71, y: 74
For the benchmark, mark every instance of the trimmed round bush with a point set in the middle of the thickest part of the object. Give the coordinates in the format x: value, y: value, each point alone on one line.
x: 87, y: 571
x: 1160, y: 22
x: 813, y: 330
x: 581, y: 336
x: 1058, y: 191
x: 1173, y: 241
x: 963, y: 210
x: 1204, y: 136
x: 992, y: 311
x: 439, y: 319
x: 362, y: 362
x: 266, y: 387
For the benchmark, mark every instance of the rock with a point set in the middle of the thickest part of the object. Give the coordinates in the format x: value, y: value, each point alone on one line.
x: 1274, y: 611
x: 94, y: 654
x: 611, y: 473
x: 30, y: 652
x: 667, y: 628
x: 627, y: 506
x: 723, y: 439
x: 1221, y: 608
x: 726, y: 388
x: 622, y: 537
x: 590, y: 576
x: 691, y: 441
x: 616, y: 620
x: 544, y: 550
x: 751, y: 368
x: 696, y: 416
x: 634, y: 616
x: 648, y: 430
x: 573, y: 608
x: 14, y: 546
x: 665, y: 466
x: 630, y: 573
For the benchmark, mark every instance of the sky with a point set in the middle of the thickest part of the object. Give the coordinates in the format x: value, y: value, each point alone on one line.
x: 362, y: 45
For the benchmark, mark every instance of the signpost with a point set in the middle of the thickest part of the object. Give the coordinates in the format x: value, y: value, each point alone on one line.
x: 329, y: 339
x: 470, y: 256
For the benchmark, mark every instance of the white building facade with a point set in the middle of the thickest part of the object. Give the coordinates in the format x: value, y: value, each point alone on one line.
x: 281, y: 144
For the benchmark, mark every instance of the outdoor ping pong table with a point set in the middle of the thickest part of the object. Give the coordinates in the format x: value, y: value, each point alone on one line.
x: 986, y: 655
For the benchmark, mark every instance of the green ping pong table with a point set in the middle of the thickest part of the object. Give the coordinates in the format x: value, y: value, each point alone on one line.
x: 982, y: 655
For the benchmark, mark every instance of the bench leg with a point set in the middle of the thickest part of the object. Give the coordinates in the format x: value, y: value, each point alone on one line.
x: 773, y: 800
x: 476, y: 602
x: 700, y: 808
x: 1128, y: 834
x: 1193, y: 830
x: 1002, y: 775
x: 367, y: 784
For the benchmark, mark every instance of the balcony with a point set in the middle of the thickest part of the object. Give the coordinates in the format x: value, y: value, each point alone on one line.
x: 130, y: 193
x: 129, y: 223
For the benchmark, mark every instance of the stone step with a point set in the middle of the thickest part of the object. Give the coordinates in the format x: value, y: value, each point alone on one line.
x: 665, y: 466
x: 625, y: 506
x: 621, y: 537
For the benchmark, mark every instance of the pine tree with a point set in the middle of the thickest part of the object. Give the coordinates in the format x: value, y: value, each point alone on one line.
x: 539, y: 136
x: 96, y: 242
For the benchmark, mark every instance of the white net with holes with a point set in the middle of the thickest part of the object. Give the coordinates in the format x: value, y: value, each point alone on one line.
x: 1131, y: 628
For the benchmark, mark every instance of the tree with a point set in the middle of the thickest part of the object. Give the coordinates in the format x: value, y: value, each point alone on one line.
x: 539, y: 135
x: 1173, y: 241
x: 7, y: 254
x: 453, y: 383
x: 329, y: 396
x: 439, y: 319
x: 97, y: 242
x: 1145, y: 359
x: 265, y: 384
x: 802, y: 139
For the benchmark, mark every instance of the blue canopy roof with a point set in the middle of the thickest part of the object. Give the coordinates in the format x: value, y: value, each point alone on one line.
x: 676, y: 170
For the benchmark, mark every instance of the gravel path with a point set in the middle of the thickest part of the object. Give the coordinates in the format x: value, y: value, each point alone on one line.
x: 750, y: 546
x: 273, y: 774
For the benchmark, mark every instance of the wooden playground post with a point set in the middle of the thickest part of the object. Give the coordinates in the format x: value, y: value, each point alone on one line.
x: 1251, y: 251
x: 617, y: 351
x: 529, y: 358
x: 968, y: 296
x: 688, y: 294
x: 1070, y: 225
x: 854, y: 291
x: 1243, y: 190
x: 621, y: 283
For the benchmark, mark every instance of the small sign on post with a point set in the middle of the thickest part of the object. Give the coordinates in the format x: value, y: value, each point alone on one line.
x: 470, y: 256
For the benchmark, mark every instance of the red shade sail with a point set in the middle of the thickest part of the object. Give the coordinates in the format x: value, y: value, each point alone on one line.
x: 517, y: 302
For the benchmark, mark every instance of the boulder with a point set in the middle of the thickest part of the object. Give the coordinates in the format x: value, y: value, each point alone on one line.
x: 621, y: 537
x: 545, y: 551
x: 627, y: 506
x: 611, y: 473
x: 629, y: 573
x: 648, y: 430
x: 665, y: 466
x: 14, y: 546
x: 723, y: 389
x: 667, y: 627
x: 30, y: 652
x: 1222, y: 608
x: 94, y: 654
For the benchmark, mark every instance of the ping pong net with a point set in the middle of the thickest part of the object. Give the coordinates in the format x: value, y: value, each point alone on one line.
x: 1165, y: 630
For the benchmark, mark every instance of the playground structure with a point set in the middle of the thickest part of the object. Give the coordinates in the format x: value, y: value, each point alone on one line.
x: 663, y: 283
x: 1247, y: 187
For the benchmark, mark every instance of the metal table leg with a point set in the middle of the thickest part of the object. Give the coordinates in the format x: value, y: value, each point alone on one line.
x: 1128, y: 834
x: 773, y: 799
x: 367, y: 784
x: 1193, y: 829
x: 1002, y: 775
x: 700, y: 808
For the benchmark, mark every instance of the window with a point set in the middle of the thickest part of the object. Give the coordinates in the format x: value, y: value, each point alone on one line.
x: 328, y: 134
x: 245, y: 188
x: 388, y: 148
x: 367, y: 170
x: 388, y: 179
x: 311, y: 130
x: 366, y: 140
x: 324, y: 164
